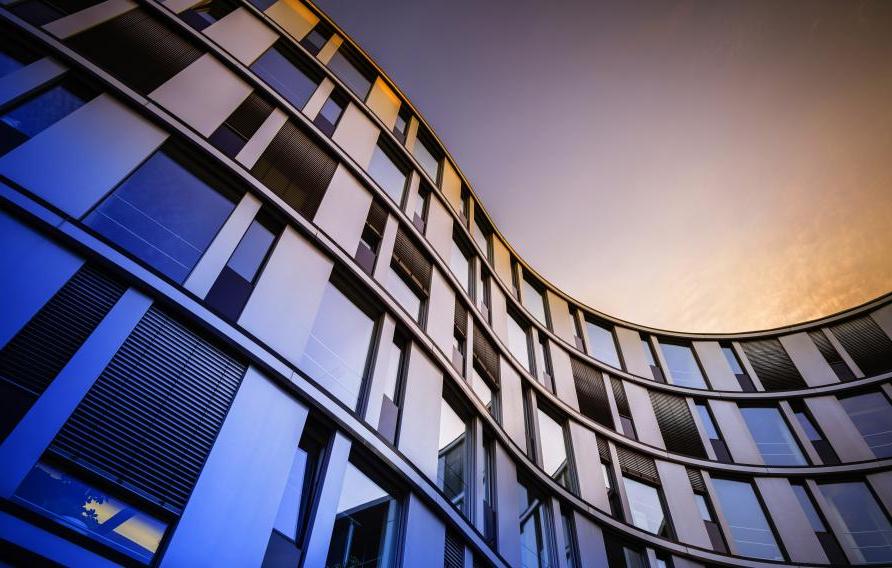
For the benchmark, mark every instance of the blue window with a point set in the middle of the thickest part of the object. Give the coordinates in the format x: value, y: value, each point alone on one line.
x: 280, y: 69
x: 36, y: 114
x: 772, y: 436
x: 749, y: 528
x: 601, y: 345
x: 164, y: 214
x: 91, y: 511
x: 872, y: 415
x: 388, y: 174
x: 350, y: 69
x: 868, y: 534
x: 683, y: 367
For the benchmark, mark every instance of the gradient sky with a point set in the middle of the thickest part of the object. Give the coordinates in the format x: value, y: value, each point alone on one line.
x: 694, y: 165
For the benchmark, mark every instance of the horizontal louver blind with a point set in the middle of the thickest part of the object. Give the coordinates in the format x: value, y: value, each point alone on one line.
x: 830, y: 354
x: 461, y: 318
x: 619, y: 395
x: 603, y: 448
x: 412, y: 261
x: 772, y: 364
x: 676, y: 424
x: 377, y: 218
x: 637, y: 465
x: 591, y: 393
x: 249, y: 115
x: 37, y: 353
x: 137, y: 49
x: 485, y: 354
x: 454, y: 553
x: 696, y: 479
x: 296, y: 169
x: 153, y: 414
x: 866, y: 344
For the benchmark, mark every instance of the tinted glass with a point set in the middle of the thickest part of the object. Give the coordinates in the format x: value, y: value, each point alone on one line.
x: 517, y: 342
x: 163, y: 214
x: 285, y: 77
x: 554, y: 449
x: 338, y: 347
x: 451, y: 455
x: 331, y: 111
x: 347, y: 72
x: 811, y: 431
x: 808, y: 507
x: 648, y: 352
x: 251, y: 251
x: 646, y: 508
x: 481, y: 388
x: 872, y: 415
x: 601, y: 345
x: 427, y: 160
x: 315, y: 41
x: 534, y: 301
x: 404, y: 294
x: 706, y: 418
x: 749, y: 527
x: 36, y: 114
x: 394, y: 366
x: 731, y: 358
x: 868, y: 533
x: 772, y: 436
x: 460, y: 266
x: 91, y: 511
x: 9, y: 63
x: 702, y: 507
x: 682, y: 366
x: 387, y: 175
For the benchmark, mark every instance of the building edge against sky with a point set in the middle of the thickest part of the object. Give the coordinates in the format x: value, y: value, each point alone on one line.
x: 252, y: 314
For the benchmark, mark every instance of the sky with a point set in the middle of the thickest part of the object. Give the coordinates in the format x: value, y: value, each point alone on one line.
x: 702, y: 166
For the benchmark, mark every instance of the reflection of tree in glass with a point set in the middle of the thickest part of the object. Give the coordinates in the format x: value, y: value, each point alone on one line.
x: 67, y: 497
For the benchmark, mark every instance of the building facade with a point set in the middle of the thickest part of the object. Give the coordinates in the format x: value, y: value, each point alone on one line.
x: 252, y: 314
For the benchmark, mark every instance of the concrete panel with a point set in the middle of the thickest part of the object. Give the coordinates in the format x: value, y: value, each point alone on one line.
x: 681, y: 504
x: 357, y: 135
x: 882, y: 486
x: 507, y: 506
x: 450, y: 184
x: 379, y: 371
x: 643, y: 415
x: 425, y: 537
x: 715, y: 366
x: 735, y: 432
x: 501, y: 259
x: 242, y: 35
x: 384, y: 103
x: 633, y: 353
x: 441, y: 313
x: 318, y: 537
x: 28, y: 78
x: 588, y: 466
x: 27, y: 442
x: 385, y: 249
x: 592, y: 551
x: 330, y: 48
x: 91, y: 149
x: 883, y: 317
x: 318, y: 98
x: 251, y: 457
x: 283, y: 305
x: 834, y: 422
x: 564, y: 385
x: 217, y: 255
x: 790, y: 521
x: 87, y: 18
x: 32, y: 269
x: 293, y: 16
x: 439, y: 229
x: 511, y: 400
x: 808, y: 360
x: 187, y: 96
x: 344, y: 209
x: 561, y: 322
x: 257, y: 144
x: 421, y: 413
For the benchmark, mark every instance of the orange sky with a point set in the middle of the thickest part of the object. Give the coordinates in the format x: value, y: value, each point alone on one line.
x: 693, y: 165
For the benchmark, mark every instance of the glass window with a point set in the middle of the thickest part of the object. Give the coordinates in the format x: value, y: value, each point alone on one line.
x: 571, y: 548
x: 316, y: 39
x: 482, y: 389
x: 347, y: 71
x: 480, y: 236
x: 285, y: 76
x: 772, y: 436
x: 164, y: 214
x: 868, y: 531
x: 731, y: 358
x: 330, y: 114
x: 808, y: 507
x: 533, y: 301
x: 749, y: 527
x: 706, y: 418
x: 703, y: 507
x: 534, y: 522
x: 601, y: 345
x: 554, y: 448
x: 648, y: 352
x: 426, y: 158
x: 91, y: 511
x: 682, y: 365
x: 518, y: 342
x: 10, y: 62
x: 872, y: 415
x: 387, y: 174
x: 36, y: 114
x: 451, y: 455
x: 460, y: 266
x: 646, y: 507
x: 394, y: 369
x: 405, y: 295
x: 365, y: 528
x: 206, y: 13
x: 337, y: 350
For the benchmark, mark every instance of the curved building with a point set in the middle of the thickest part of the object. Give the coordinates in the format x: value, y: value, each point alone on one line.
x: 251, y: 314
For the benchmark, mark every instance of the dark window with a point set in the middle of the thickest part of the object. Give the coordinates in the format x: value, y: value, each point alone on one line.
x: 231, y: 136
x: 14, y: 54
x: 828, y: 542
x: 419, y: 215
x: 833, y: 358
x: 676, y: 424
x: 651, y: 359
x: 137, y: 48
x: 773, y: 366
x: 872, y: 415
x: 592, y: 393
x: 459, y: 337
x: 867, y: 526
x: 397, y: 361
x: 353, y: 70
x: 616, y: 508
x: 813, y: 433
x: 41, y: 12
x: 482, y: 293
x: 262, y: 5
x: 236, y: 281
x: 284, y: 71
x: 390, y: 173
x: 28, y: 118
x: 206, y: 13
x: 453, y: 551
x: 485, y: 372
x: 746, y: 383
x: 535, y: 528
x: 712, y: 433
x: 401, y: 127
x: 571, y: 547
x: 452, y: 459
x: 410, y: 275
x: 546, y: 374
x: 534, y: 299
x: 623, y: 408
x: 331, y: 112
x: 370, y: 239
x: 489, y: 492
x: 165, y: 213
x: 317, y: 38
x: 866, y: 343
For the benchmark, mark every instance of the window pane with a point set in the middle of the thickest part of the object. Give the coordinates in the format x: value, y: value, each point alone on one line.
x: 481, y: 388
x: 702, y: 507
x: 808, y: 507
x: 731, y: 358
x: 648, y: 352
x: 869, y: 533
x: 164, y: 215
x: 480, y: 237
x: 251, y: 251
x: 517, y: 342
x: 451, y: 455
x: 551, y: 441
x: 459, y: 264
x: 811, y: 431
x: 91, y: 511
x: 682, y: 366
x: 349, y: 74
x: 427, y: 160
x: 645, y: 505
x: 772, y: 437
x: 533, y: 301
x: 332, y: 110
x: 711, y: 432
x: 284, y: 77
x: 338, y: 347
x: 601, y: 345
x: 391, y: 379
x: 34, y: 115
x: 872, y: 415
x: 749, y: 527
x: 9, y: 63
x: 386, y: 174
x: 403, y: 294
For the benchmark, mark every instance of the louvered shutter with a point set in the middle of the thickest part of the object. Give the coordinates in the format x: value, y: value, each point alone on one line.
x: 136, y: 48
x: 866, y: 344
x: 591, y: 393
x: 249, y: 115
x: 461, y: 318
x: 485, y: 354
x: 695, y: 476
x: 676, y: 424
x: 603, y: 448
x: 454, y: 552
x: 772, y: 364
x: 296, y: 169
x: 412, y: 261
x: 153, y: 414
x: 637, y: 465
x: 619, y: 395
x: 377, y: 218
x: 831, y: 355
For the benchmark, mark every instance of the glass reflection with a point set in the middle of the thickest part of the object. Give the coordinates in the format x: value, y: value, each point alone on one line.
x: 872, y: 415
x: 749, y: 528
x: 534, y: 301
x: 553, y: 447
x: 534, y: 522
x: 387, y: 174
x: 404, y: 294
x: 284, y: 76
x: 36, y: 114
x: 682, y: 365
x: 601, y: 345
x: 451, y: 455
x: 869, y: 533
x: 646, y: 507
x: 427, y: 160
x: 518, y: 342
x: 350, y: 74
x: 460, y: 266
x: 772, y: 436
